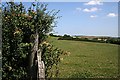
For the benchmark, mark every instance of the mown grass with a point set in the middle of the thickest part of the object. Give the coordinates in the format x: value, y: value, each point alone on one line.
x: 87, y: 59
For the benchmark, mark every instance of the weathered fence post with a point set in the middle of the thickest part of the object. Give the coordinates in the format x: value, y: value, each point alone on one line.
x: 41, y: 66
x: 37, y: 68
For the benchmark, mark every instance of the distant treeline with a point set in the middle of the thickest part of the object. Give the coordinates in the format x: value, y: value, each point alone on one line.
x: 51, y: 34
x: 111, y: 40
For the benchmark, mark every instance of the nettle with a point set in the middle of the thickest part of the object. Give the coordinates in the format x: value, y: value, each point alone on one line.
x: 18, y: 34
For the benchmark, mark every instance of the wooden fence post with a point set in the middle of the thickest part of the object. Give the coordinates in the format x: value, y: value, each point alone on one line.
x: 37, y: 67
x: 41, y: 67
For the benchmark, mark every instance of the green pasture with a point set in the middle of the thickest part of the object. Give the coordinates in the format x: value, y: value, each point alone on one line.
x: 87, y: 59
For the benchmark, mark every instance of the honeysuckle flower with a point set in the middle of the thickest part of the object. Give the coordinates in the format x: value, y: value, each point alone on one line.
x: 61, y: 59
x: 9, y: 68
x: 67, y: 53
x: 6, y: 17
x: 16, y: 32
x: 49, y: 47
x: 46, y: 43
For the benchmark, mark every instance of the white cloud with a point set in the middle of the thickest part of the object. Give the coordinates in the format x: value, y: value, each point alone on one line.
x: 111, y: 15
x: 94, y: 2
x: 90, y: 10
x: 93, y: 16
x: 78, y: 9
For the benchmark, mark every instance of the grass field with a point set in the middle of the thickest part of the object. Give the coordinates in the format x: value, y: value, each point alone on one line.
x: 87, y: 59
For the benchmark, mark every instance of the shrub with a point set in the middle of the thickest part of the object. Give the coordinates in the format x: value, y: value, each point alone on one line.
x: 51, y: 58
x: 19, y: 28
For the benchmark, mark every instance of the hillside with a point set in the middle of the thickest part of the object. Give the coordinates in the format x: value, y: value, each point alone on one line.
x: 87, y: 59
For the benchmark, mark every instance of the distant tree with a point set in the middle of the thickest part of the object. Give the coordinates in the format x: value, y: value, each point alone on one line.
x: 51, y: 34
x: 65, y: 36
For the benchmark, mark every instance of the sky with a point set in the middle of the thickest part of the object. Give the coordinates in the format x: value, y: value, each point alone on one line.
x: 100, y: 19
x: 92, y: 18
x: 58, y: 0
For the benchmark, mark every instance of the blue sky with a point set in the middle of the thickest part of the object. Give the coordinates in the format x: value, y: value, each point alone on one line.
x: 59, y: 0
x: 86, y: 18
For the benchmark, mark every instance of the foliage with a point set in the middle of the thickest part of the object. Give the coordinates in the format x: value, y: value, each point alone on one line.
x: 51, y: 34
x: 103, y: 39
x: 114, y: 41
x: 19, y: 28
x: 65, y: 37
x: 51, y: 56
